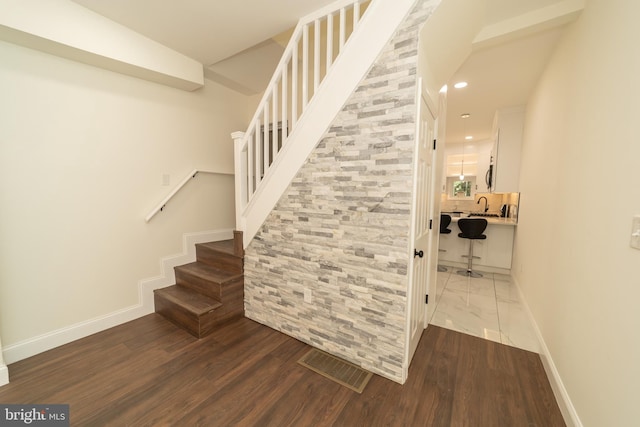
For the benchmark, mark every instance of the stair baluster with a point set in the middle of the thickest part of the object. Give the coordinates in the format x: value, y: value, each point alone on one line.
x: 257, y: 149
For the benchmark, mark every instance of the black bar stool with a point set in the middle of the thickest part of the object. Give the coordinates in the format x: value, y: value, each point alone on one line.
x: 472, y: 229
x: 445, y: 220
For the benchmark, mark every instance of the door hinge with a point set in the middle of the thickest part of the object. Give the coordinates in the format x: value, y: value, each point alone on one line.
x: 431, y: 224
x: 426, y: 299
x: 434, y: 144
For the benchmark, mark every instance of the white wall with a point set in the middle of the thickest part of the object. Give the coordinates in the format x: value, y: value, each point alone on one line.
x: 579, y: 191
x: 82, y: 155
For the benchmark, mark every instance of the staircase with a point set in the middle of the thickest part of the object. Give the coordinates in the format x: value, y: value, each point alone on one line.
x: 329, y: 53
x: 207, y: 292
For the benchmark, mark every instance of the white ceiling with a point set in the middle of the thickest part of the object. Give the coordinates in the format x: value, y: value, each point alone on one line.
x: 498, y: 77
x: 503, y: 73
x: 206, y: 30
x: 240, y: 42
x: 501, y: 10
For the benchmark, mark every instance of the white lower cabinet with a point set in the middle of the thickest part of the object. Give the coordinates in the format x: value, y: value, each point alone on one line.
x: 495, y: 251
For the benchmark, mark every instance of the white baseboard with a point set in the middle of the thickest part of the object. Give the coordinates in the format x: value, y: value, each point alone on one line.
x: 31, y: 347
x: 562, y: 397
x: 168, y: 277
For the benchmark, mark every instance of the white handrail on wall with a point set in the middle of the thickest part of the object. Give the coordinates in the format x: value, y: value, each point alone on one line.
x: 177, y: 188
x: 298, y: 77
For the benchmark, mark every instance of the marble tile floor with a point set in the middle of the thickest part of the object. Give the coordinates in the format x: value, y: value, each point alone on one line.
x: 487, y: 307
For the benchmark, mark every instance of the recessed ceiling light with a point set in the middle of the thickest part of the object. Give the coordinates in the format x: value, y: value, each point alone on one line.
x: 460, y: 85
x: 465, y: 115
x: 468, y: 137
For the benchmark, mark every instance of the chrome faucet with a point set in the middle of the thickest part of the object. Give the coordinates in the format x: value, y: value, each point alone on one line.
x: 486, y: 203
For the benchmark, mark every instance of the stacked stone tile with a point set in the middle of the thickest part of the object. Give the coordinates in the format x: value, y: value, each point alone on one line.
x: 341, y: 230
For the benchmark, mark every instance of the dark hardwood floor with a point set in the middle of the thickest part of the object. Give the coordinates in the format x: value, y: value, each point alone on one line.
x: 150, y: 373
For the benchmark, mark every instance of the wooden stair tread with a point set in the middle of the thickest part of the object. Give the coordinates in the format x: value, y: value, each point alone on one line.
x: 208, y: 272
x: 188, y: 299
x: 209, y: 291
x: 225, y: 246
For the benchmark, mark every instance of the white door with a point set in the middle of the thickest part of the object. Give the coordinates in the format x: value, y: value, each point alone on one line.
x: 420, y: 233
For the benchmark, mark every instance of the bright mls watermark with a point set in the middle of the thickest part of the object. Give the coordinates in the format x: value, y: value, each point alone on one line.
x: 34, y: 415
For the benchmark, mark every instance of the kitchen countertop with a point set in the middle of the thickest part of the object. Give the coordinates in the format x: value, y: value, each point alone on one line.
x: 491, y: 220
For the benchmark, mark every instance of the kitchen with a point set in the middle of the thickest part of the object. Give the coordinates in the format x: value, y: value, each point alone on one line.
x: 486, y: 100
x: 480, y: 180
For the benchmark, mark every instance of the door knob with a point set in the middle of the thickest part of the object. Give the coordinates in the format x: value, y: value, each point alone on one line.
x: 418, y: 253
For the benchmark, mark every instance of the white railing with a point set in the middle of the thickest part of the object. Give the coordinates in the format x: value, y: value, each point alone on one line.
x: 316, y: 43
x: 302, y: 101
x: 162, y: 204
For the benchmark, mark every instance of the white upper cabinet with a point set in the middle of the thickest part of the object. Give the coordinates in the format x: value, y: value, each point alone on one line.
x: 475, y: 156
x: 508, y: 125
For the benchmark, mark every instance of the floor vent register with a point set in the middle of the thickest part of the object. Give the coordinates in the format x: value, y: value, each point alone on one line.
x: 336, y: 369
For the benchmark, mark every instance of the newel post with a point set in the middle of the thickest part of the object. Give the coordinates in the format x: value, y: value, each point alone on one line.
x: 240, y: 170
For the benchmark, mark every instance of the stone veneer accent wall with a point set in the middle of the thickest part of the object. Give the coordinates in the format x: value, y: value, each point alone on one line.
x: 341, y: 230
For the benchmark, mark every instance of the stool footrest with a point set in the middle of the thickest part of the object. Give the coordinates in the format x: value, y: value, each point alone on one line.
x: 469, y: 273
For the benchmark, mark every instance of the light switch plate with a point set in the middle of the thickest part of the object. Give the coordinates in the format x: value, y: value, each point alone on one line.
x: 635, y: 232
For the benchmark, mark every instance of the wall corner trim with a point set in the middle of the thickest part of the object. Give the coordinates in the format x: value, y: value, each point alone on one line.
x: 31, y: 347
x: 4, y: 375
x: 4, y: 371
